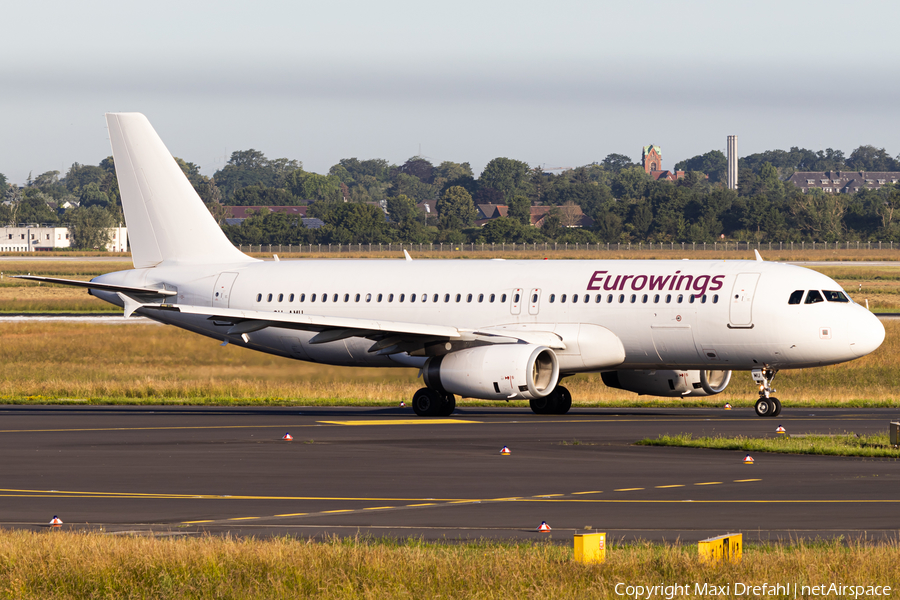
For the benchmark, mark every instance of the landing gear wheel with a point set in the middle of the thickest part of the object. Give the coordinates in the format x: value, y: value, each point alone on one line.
x: 428, y: 402
x: 765, y: 407
x: 449, y: 405
x: 544, y: 406
x: 564, y: 400
x: 776, y: 406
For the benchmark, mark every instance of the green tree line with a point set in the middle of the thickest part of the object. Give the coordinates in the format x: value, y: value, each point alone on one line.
x: 374, y: 201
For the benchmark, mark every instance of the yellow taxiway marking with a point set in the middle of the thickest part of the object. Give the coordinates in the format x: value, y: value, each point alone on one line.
x: 400, y: 422
x: 578, y: 493
x: 289, y: 515
x: 337, y: 511
x: 378, y: 507
x: 426, y: 504
x: 75, y: 494
x: 628, y: 489
x: 242, y: 518
x: 548, y: 495
x: 670, y: 486
x: 745, y: 480
x: 709, y: 483
x: 192, y: 522
x: 194, y: 427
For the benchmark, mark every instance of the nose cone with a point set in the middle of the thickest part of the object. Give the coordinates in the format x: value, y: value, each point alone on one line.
x: 868, y: 333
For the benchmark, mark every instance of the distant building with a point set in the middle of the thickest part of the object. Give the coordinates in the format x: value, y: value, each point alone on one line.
x: 843, y: 182
x: 651, y: 159
x: 44, y: 238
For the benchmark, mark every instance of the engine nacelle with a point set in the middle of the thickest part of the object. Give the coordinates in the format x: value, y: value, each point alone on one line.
x: 497, y: 372
x: 668, y: 383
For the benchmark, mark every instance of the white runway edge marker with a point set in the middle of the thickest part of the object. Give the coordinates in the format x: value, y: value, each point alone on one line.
x: 544, y: 527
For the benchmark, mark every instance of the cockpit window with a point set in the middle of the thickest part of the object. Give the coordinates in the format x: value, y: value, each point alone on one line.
x: 813, y: 297
x: 835, y: 296
x: 796, y: 297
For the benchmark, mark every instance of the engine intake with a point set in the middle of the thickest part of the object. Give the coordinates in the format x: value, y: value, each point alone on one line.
x: 497, y: 372
x: 668, y: 383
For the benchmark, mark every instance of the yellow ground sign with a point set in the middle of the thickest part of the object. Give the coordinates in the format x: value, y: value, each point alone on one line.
x: 590, y: 547
x: 724, y: 548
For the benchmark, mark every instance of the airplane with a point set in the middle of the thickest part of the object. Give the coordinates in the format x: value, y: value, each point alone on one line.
x: 491, y: 329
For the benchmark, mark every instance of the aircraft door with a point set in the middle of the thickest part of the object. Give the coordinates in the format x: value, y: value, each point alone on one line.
x: 534, y: 301
x: 741, y: 306
x: 515, y: 301
x: 222, y: 291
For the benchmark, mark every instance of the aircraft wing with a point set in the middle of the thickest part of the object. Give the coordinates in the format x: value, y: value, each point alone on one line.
x: 390, y: 337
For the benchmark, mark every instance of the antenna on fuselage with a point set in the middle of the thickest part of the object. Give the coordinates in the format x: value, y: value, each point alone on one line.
x: 406, y: 254
x: 758, y: 257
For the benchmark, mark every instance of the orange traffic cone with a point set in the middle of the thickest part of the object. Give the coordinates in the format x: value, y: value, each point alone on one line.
x: 287, y: 437
x: 727, y: 406
x: 748, y: 460
x: 55, y: 521
x: 780, y: 429
x: 505, y: 451
x: 544, y: 526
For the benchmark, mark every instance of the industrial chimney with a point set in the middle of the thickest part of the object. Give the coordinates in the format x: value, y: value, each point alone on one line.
x: 732, y: 162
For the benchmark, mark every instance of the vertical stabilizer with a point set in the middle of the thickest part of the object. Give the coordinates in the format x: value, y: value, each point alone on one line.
x: 167, y: 220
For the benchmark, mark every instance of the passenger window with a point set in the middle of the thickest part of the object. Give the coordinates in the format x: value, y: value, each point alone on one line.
x: 680, y: 298
x: 469, y: 298
x: 259, y: 297
x: 368, y: 297
x: 291, y: 298
x: 481, y: 297
x: 269, y: 298
x: 574, y: 298
x: 379, y: 297
x: 503, y: 298
x: 334, y: 298
x: 533, y: 299
x: 835, y: 296
x: 552, y: 298
x: 587, y: 298
x: 446, y: 297
x: 703, y: 299
x: 312, y: 298
x: 492, y: 297
x: 668, y: 298
x: 435, y: 298
x: 390, y: 297
x: 402, y: 297
x: 302, y: 297
x: 656, y: 298
x: 458, y: 297
x: 281, y: 297
x: 598, y: 299
x: 796, y: 297
x: 412, y: 298
x: 562, y: 298
x: 516, y: 301
x: 633, y: 298
x: 644, y: 299
x: 691, y: 299
x: 346, y: 297
x: 621, y: 298
x: 715, y: 298
x: 324, y: 297
x: 609, y: 298
x: 358, y: 297
x: 813, y: 297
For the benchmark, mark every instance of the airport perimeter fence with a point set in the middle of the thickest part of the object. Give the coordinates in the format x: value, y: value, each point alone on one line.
x: 546, y: 247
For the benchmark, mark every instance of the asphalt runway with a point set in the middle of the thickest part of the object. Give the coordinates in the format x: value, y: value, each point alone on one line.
x: 386, y: 472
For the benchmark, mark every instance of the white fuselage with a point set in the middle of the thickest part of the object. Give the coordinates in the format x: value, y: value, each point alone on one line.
x: 667, y: 314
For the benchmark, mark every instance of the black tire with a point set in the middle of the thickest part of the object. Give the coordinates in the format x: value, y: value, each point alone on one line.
x: 546, y: 405
x: 765, y: 407
x: 449, y: 405
x: 776, y: 406
x: 427, y: 403
x: 564, y: 400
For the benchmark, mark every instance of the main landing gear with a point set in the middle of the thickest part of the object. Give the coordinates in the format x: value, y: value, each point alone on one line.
x: 767, y: 405
x: 558, y: 402
x: 432, y: 403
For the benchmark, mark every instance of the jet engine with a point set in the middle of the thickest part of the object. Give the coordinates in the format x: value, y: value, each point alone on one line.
x: 496, y: 372
x: 668, y: 383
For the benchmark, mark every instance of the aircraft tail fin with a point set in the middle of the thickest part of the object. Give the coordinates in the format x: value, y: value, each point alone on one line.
x: 167, y: 220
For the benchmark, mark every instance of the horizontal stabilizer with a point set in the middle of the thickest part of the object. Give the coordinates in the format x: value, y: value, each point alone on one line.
x: 106, y: 287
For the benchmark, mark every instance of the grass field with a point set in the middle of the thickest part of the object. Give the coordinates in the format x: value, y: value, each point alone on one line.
x: 57, y: 564
x: 49, y: 362
x: 847, y: 444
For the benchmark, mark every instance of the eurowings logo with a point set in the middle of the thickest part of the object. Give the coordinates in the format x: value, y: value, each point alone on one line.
x: 601, y: 280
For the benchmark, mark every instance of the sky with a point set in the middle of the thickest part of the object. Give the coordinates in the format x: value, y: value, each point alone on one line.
x: 557, y: 84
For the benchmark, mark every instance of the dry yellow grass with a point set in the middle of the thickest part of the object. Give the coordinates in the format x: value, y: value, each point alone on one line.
x: 153, y: 363
x: 77, y: 565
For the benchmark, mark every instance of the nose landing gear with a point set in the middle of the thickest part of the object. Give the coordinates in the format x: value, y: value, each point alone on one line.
x: 767, y: 405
